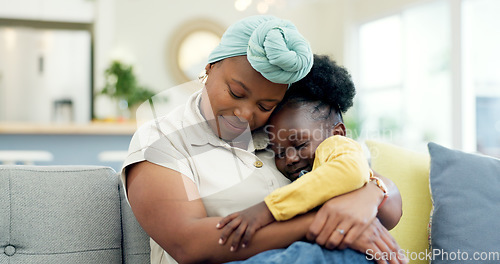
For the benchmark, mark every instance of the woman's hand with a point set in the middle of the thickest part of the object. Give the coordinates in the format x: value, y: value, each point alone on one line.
x: 379, y: 245
x: 341, y: 220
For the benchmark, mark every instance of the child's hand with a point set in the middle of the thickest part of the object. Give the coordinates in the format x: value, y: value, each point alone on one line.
x: 244, y: 224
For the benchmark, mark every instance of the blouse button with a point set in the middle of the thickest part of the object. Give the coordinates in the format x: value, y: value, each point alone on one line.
x: 258, y: 164
x: 10, y: 250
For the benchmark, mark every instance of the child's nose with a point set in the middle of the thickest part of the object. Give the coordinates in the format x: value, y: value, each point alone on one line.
x: 292, y: 156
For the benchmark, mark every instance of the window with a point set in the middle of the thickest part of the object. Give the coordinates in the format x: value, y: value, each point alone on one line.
x: 404, y: 87
x: 481, y: 68
x: 406, y: 78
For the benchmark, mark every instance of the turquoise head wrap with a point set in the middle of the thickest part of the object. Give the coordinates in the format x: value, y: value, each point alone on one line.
x: 273, y: 47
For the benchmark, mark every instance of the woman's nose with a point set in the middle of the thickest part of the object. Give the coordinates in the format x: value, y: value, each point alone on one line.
x: 244, y: 113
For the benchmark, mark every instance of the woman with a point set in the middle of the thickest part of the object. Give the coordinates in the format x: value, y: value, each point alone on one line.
x: 186, y: 170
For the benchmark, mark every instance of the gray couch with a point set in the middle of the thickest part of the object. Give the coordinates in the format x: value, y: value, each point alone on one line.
x: 67, y: 214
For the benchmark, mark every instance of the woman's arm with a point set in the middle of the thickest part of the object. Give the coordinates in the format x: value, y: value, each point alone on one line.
x: 353, y: 213
x: 391, y: 211
x: 168, y: 207
x: 246, y: 222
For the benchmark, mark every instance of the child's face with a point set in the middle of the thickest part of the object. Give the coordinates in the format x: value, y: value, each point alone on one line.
x: 295, y: 135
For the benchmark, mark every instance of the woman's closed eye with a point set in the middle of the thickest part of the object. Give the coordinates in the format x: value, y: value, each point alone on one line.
x: 234, y: 95
x: 265, y: 108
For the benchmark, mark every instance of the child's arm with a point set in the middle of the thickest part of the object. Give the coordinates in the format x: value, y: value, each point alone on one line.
x: 339, y: 167
x: 244, y: 224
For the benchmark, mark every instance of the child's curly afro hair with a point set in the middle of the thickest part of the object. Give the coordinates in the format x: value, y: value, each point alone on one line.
x: 327, y: 83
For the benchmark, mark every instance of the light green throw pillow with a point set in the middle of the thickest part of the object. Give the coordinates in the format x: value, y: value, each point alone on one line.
x: 409, y: 170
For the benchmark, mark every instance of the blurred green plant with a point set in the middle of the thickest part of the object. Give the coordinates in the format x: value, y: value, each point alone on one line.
x: 353, y: 123
x: 122, y: 84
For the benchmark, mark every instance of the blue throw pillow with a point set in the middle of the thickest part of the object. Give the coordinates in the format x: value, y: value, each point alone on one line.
x: 465, y: 190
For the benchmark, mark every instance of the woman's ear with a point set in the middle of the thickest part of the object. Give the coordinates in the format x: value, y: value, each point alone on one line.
x: 208, y: 68
x: 339, y: 129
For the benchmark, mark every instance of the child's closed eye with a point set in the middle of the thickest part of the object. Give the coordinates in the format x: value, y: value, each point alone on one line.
x: 279, y: 155
x: 301, y: 146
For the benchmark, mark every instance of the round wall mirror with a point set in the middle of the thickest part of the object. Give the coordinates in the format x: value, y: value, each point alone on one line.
x: 190, y: 47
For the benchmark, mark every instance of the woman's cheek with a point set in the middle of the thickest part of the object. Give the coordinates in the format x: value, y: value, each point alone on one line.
x: 262, y: 119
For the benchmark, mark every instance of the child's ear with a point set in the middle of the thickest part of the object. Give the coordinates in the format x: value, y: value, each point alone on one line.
x: 339, y: 129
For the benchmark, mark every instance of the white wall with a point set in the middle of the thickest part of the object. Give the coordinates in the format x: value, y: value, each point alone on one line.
x: 363, y: 10
x: 51, y: 10
x: 139, y: 32
x: 143, y: 30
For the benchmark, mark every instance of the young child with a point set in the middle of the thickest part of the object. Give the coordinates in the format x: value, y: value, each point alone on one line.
x: 307, y: 135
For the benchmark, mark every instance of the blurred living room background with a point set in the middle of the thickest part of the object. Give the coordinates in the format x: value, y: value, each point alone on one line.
x: 73, y: 72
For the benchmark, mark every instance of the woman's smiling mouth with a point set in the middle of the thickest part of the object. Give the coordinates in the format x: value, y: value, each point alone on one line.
x: 238, y: 128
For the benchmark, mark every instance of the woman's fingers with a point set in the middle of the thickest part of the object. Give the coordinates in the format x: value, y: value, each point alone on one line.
x: 379, y: 260
x: 350, y: 236
x: 354, y: 233
x: 388, y: 244
x: 377, y: 252
x: 338, y: 235
x: 381, y: 245
x: 316, y: 226
x: 327, y: 230
x: 229, y: 229
x: 389, y: 255
x: 338, y: 228
x: 386, y: 254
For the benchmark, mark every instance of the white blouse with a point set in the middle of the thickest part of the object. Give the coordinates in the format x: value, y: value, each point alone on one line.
x: 229, y: 179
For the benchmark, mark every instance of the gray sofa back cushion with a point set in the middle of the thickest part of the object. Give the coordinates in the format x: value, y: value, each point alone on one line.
x: 64, y: 214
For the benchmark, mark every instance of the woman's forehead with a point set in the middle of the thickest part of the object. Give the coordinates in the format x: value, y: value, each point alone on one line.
x: 238, y: 71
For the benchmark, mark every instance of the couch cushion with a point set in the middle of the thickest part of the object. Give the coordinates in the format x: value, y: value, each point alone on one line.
x: 466, y: 197
x: 409, y: 170
x: 59, y: 214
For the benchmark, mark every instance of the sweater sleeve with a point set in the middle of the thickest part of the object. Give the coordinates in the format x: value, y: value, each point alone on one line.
x: 339, y: 167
